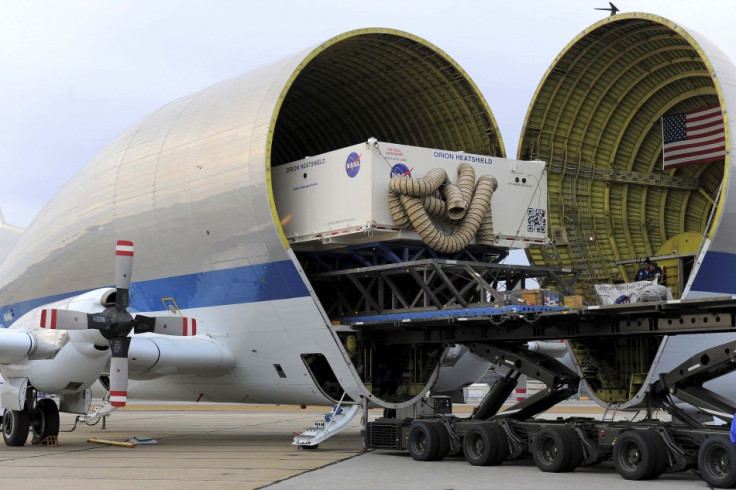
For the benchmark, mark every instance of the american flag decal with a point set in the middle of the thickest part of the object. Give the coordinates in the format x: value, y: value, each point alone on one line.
x: 693, y: 138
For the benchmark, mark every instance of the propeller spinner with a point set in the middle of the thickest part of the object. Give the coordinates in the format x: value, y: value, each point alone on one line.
x: 116, y: 324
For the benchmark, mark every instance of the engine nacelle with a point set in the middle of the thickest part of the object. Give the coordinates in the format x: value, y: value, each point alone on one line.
x: 155, y: 356
x: 56, y: 361
x: 69, y: 370
x: 17, y: 345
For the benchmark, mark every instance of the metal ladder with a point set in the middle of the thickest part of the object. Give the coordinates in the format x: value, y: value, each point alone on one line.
x: 334, y: 422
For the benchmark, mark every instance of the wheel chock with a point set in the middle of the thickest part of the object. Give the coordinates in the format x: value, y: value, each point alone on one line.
x: 49, y: 441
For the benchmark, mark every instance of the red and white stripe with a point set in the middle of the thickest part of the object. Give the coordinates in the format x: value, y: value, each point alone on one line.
x: 520, y: 394
x: 189, y: 326
x: 118, y: 398
x: 48, y: 319
x: 705, y: 141
x: 124, y: 248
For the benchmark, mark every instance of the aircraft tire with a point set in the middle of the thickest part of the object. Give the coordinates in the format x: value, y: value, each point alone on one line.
x: 15, y: 427
x: 717, y: 462
x: 45, y: 420
x: 639, y: 455
x: 553, y: 450
x: 485, y: 445
x: 424, y: 441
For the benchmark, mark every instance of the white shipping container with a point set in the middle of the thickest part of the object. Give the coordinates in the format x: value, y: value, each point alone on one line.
x: 342, y: 196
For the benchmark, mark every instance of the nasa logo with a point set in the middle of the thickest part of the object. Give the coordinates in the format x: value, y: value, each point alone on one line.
x: 400, y: 169
x: 352, y: 165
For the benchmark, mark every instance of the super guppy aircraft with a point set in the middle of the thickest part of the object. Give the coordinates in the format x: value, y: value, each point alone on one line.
x: 191, y: 187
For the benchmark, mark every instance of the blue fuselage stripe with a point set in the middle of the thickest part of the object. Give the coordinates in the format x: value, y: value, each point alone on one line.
x: 250, y: 284
x: 717, y: 274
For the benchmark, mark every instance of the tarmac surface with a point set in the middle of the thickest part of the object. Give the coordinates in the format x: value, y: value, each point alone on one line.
x: 249, y: 446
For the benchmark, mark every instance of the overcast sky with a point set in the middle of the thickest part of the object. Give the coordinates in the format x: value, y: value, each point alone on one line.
x: 75, y: 73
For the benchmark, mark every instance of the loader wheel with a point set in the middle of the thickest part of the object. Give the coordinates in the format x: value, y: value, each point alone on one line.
x: 486, y: 445
x: 557, y: 450
x: 424, y: 441
x: 15, y: 427
x: 640, y: 455
x: 443, y: 440
x: 717, y: 462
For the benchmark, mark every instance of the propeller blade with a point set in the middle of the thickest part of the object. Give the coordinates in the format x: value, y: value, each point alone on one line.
x: 54, y: 319
x: 119, y: 347
x: 166, y: 325
x: 123, y: 272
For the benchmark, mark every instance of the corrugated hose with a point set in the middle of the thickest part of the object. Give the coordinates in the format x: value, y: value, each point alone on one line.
x: 465, y: 207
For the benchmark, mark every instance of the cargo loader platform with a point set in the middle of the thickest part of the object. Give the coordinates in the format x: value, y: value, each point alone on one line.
x: 509, y: 323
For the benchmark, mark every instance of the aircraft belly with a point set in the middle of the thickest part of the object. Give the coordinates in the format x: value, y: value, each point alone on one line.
x: 260, y: 336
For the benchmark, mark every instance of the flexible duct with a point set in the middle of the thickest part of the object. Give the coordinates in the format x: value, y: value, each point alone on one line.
x: 435, y: 206
x: 418, y: 187
x: 415, y: 206
x: 456, y: 205
x: 466, y: 180
x: 485, y: 233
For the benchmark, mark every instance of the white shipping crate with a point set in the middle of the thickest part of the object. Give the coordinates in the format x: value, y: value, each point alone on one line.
x: 342, y: 196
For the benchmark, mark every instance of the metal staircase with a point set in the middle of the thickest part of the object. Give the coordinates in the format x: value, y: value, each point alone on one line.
x: 335, y: 421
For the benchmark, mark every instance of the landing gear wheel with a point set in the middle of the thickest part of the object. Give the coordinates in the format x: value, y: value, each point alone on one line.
x: 717, y: 462
x: 310, y: 448
x: 554, y: 450
x: 424, y: 441
x: 486, y: 445
x: 15, y: 427
x: 640, y: 455
x: 44, y: 420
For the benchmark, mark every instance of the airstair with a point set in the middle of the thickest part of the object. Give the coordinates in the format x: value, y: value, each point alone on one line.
x: 335, y: 421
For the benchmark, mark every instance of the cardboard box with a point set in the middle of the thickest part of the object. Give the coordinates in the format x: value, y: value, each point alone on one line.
x: 574, y: 301
x: 532, y: 297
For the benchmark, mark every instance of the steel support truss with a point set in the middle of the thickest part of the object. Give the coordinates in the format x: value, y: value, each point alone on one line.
x: 432, y: 283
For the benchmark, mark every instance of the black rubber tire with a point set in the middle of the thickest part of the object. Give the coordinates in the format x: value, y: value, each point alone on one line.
x: 576, y: 448
x: 424, y: 441
x: 444, y: 441
x: 310, y: 448
x: 639, y: 455
x: 717, y: 462
x: 552, y: 449
x: 485, y: 445
x: 45, y: 420
x: 660, y: 449
x: 502, y: 443
x: 15, y: 427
